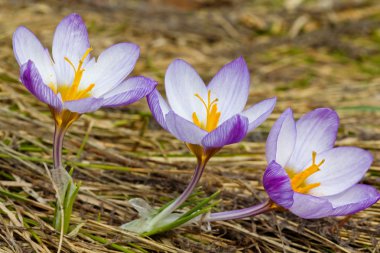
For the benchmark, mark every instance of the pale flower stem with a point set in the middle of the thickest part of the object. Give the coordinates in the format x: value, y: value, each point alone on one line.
x: 186, y: 193
x: 59, y: 134
x: 240, y: 213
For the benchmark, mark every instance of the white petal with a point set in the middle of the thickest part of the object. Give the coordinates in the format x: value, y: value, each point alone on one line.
x: 354, y: 199
x: 231, y: 86
x: 259, y: 112
x: 343, y: 167
x: 111, y: 68
x: 182, y: 82
x: 26, y: 47
x: 71, y: 41
x: 281, y: 139
x: 316, y: 131
x: 184, y: 129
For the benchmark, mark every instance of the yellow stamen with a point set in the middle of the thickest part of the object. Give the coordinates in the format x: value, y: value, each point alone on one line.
x: 72, y: 92
x: 212, y: 114
x: 298, y: 180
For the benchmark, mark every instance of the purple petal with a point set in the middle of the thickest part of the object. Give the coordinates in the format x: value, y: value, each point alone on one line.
x: 316, y: 131
x: 343, y: 167
x: 310, y: 207
x: 71, y: 41
x: 84, y: 105
x: 184, y: 129
x: 230, y: 131
x: 277, y: 184
x: 32, y: 80
x: 111, y: 68
x: 259, y: 112
x: 26, y: 47
x: 158, y: 107
x: 231, y: 86
x: 281, y: 139
x: 182, y: 82
x: 129, y: 91
x: 355, y: 199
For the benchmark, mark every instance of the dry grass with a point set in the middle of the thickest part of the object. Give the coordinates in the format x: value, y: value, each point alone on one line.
x: 311, y: 56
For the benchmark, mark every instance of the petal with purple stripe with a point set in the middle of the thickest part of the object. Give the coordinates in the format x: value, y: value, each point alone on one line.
x: 343, y: 167
x: 277, y: 184
x: 354, y: 199
x: 184, y: 129
x: 310, y: 207
x: 112, y: 66
x: 71, y: 41
x: 182, y: 83
x: 26, y: 47
x: 32, y: 80
x: 84, y: 105
x: 281, y: 139
x: 158, y: 107
x: 231, y: 86
x: 128, y: 92
x: 231, y: 131
x: 259, y: 112
x: 316, y: 131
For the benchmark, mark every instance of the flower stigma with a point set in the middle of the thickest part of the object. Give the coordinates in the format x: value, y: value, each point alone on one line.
x: 212, y: 114
x: 72, y: 92
x: 298, y: 179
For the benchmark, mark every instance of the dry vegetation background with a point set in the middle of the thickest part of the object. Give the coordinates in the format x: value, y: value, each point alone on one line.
x: 307, y: 53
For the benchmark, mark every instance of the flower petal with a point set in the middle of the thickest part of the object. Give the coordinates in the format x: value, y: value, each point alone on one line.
x: 231, y: 131
x: 259, y: 112
x: 84, y: 105
x: 26, y: 47
x: 281, y: 139
x: 355, y: 199
x: 129, y: 91
x: 184, y: 129
x: 310, y: 207
x: 277, y: 184
x: 158, y: 107
x: 343, y: 167
x: 112, y: 66
x: 32, y: 80
x: 71, y: 41
x: 182, y: 82
x: 316, y: 131
x: 231, y: 86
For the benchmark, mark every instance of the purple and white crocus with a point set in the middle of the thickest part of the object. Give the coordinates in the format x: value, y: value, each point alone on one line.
x: 72, y: 82
x: 206, y: 118
x: 306, y: 174
x: 310, y: 177
x: 209, y: 116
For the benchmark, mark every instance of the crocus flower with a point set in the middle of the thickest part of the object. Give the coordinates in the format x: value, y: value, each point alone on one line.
x: 310, y: 177
x: 72, y: 82
x: 210, y: 116
x: 206, y: 118
x: 306, y: 174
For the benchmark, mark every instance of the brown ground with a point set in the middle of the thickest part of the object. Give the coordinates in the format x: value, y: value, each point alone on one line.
x: 310, y: 55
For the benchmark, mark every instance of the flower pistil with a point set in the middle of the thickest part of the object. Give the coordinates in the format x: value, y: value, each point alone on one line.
x: 72, y: 92
x: 298, y: 179
x: 212, y: 114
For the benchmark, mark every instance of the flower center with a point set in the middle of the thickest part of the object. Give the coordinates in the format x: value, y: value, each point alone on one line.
x: 72, y: 92
x: 298, y: 179
x: 212, y: 114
